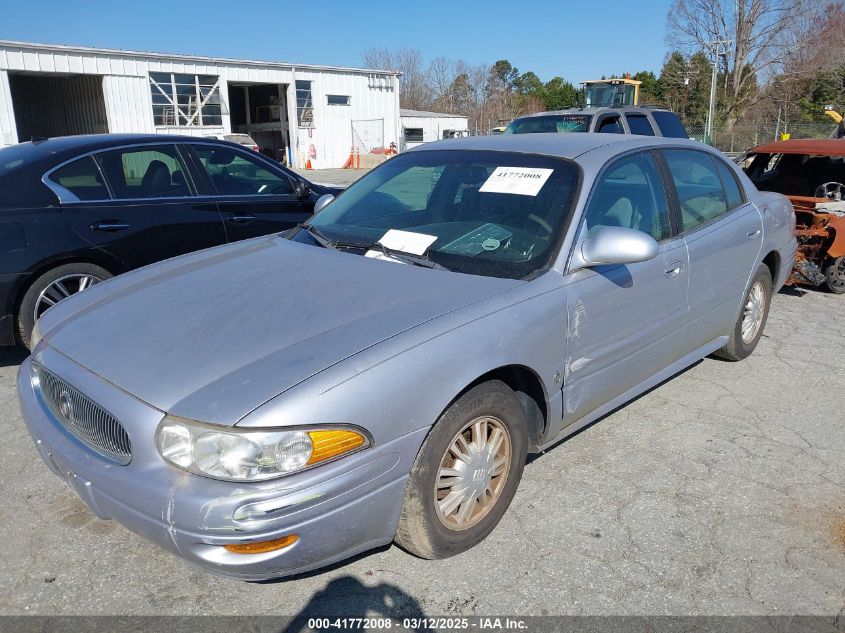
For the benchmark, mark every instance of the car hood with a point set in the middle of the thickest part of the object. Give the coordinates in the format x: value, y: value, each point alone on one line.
x: 214, y: 334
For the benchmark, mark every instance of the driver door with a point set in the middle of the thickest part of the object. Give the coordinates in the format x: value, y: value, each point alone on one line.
x: 253, y: 198
x: 625, y: 322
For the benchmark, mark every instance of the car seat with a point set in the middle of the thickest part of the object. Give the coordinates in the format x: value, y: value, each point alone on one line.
x: 156, y: 179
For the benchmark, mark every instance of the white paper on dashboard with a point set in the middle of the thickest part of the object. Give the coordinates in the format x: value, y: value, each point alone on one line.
x: 522, y: 181
x: 407, y: 242
x: 380, y: 255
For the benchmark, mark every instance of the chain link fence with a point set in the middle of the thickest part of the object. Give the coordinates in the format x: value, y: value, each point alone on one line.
x: 743, y: 137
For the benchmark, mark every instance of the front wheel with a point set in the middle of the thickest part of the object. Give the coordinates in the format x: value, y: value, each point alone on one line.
x: 834, y: 272
x: 52, y: 287
x: 752, y: 317
x: 465, y: 474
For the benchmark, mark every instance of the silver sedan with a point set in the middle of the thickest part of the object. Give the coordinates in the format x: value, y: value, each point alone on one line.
x: 381, y: 373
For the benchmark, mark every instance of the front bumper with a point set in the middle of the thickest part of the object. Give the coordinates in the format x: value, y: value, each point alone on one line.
x: 337, y: 510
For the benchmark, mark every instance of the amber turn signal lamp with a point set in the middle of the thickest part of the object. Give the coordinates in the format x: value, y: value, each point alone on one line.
x: 261, y: 547
x: 328, y: 444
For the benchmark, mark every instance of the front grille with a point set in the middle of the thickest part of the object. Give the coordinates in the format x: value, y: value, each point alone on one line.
x: 88, y: 421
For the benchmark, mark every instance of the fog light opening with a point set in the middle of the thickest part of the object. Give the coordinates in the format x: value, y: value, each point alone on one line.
x: 262, y: 547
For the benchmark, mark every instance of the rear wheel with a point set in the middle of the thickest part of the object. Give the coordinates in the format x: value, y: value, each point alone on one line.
x: 834, y: 271
x: 52, y: 287
x: 752, y: 317
x: 465, y: 474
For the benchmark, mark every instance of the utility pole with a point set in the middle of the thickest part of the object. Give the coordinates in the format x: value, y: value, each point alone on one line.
x: 711, y: 112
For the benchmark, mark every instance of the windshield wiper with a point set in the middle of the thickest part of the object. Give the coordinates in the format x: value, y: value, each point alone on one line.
x: 408, y: 258
x: 318, y: 235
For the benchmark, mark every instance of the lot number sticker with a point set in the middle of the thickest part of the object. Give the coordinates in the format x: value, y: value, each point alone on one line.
x: 522, y: 181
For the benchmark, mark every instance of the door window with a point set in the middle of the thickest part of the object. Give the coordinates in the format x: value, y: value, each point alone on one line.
x: 630, y: 194
x: 611, y: 125
x: 145, y: 172
x: 698, y: 185
x: 236, y: 174
x: 731, y: 185
x: 638, y: 124
x: 82, y: 179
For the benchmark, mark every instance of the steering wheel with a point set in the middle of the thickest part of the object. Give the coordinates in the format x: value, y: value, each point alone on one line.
x: 831, y: 191
x: 534, y: 218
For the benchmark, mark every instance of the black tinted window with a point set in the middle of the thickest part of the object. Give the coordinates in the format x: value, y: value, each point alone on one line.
x: 699, y: 187
x: 235, y: 174
x: 670, y: 125
x: 729, y: 182
x: 630, y: 194
x: 638, y: 123
x: 154, y: 171
x: 82, y: 179
x: 611, y: 125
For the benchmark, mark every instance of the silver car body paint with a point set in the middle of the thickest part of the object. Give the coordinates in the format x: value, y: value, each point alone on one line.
x: 271, y: 333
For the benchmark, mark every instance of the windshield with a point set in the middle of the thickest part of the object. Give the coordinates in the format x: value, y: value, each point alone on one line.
x: 497, y: 214
x: 552, y: 123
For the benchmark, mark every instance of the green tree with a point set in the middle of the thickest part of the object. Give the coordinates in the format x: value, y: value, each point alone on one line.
x: 559, y: 93
x: 529, y: 84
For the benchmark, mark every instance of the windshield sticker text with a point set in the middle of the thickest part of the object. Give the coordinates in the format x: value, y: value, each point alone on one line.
x: 521, y: 181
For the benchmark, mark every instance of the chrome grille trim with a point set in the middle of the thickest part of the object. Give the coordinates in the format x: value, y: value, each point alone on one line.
x: 85, y: 419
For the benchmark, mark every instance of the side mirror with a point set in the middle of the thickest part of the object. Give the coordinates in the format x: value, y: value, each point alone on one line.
x: 301, y: 189
x: 322, y: 201
x: 614, y: 245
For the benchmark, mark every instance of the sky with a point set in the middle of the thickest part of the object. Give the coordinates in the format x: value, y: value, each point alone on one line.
x: 577, y: 40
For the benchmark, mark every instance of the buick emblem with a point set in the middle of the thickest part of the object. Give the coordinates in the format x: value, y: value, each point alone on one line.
x: 65, y: 405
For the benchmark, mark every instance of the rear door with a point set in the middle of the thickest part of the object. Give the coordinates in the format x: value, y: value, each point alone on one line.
x: 139, y: 204
x: 626, y: 322
x: 723, y: 234
x: 254, y: 197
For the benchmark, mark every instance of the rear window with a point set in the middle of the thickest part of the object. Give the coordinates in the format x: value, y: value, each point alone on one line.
x: 243, y: 139
x: 551, y: 123
x: 669, y: 123
x: 82, y: 179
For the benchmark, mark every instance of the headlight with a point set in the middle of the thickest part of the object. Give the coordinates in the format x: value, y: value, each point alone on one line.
x: 35, y: 335
x: 251, y: 454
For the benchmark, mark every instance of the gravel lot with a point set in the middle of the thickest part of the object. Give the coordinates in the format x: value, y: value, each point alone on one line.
x: 720, y: 492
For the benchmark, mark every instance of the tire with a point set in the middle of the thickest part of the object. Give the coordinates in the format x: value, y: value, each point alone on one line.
x: 738, y: 346
x: 68, y: 276
x: 834, y: 271
x: 430, y: 533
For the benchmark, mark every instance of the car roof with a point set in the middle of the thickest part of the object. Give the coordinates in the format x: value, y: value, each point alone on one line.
x: 824, y: 146
x: 552, y: 144
x: 43, y: 154
x: 593, y: 110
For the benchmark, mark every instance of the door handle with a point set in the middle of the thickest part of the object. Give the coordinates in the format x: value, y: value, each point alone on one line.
x: 109, y: 226
x: 675, y: 269
x: 753, y: 233
x: 240, y: 219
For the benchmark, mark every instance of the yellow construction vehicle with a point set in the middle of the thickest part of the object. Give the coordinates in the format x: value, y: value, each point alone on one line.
x: 840, y: 128
x: 833, y: 114
x: 611, y: 92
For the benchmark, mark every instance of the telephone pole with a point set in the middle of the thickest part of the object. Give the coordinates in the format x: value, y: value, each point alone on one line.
x: 711, y: 112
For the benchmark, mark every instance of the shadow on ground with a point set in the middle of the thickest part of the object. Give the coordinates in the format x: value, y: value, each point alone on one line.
x: 350, y: 599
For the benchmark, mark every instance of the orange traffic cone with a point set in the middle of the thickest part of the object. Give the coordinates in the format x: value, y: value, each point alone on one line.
x: 308, y: 164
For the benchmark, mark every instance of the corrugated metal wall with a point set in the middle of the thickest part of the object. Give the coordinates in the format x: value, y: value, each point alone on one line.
x: 8, y: 132
x: 128, y: 104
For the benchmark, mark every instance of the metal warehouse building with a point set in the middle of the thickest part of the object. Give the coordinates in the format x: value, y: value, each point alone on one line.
x: 423, y: 127
x: 295, y: 112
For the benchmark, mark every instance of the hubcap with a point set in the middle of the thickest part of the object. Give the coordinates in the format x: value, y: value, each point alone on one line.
x: 472, y: 473
x: 755, y: 308
x: 837, y: 273
x: 62, y: 288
